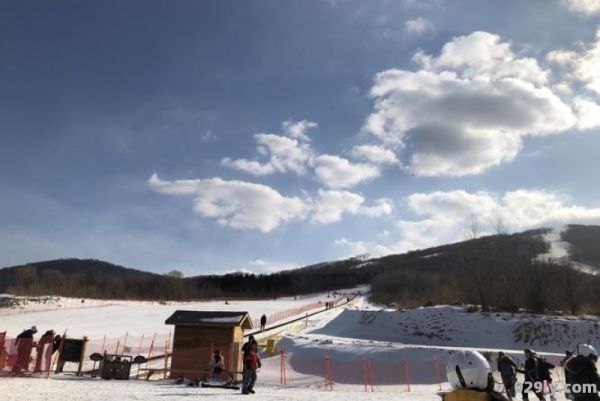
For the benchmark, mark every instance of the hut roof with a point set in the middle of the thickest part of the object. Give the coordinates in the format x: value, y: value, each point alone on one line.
x: 210, y: 318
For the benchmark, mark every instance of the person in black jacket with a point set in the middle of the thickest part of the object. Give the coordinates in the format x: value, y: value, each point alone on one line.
x: 508, y: 371
x: 532, y: 382
x: 563, y: 363
x: 583, y: 375
x: 263, y: 322
x: 24, y: 345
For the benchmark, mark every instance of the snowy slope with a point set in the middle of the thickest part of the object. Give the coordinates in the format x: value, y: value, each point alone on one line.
x: 136, y: 318
x: 400, y: 348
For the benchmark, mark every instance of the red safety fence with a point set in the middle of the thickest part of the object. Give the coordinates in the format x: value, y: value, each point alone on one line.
x: 366, y: 374
x: 296, y: 312
x: 26, y: 357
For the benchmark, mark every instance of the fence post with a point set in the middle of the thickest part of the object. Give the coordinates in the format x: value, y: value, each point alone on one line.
x: 327, y: 368
x: 103, y: 349
x: 150, y: 351
x: 141, y: 342
x: 282, y: 378
x: 405, y: 370
x: 166, y: 358
x: 364, y: 366
x: 370, y: 374
x: 436, y: 367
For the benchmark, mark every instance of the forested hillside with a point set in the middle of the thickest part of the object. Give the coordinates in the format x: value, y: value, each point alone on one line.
x: 499, y: 272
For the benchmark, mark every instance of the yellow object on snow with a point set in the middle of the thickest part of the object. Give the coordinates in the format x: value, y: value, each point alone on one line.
x: 466, y: 395
x: 271, y: 342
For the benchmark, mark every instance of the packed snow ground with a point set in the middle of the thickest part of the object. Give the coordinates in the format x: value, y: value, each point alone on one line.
x: 115, y: 318
x: 392, y: 341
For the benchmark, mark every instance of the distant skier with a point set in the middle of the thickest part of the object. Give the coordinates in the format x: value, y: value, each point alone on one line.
x: 470, y: 376
x: 263, y: 322
x: 584, y: 381
x: 508, y: 371
x: 251, y: 364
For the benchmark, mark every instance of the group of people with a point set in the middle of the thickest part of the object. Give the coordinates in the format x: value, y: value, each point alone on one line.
x: 251, y: 362
x: 25, y: 343
x: 471, y: 378
x: 536, y: 371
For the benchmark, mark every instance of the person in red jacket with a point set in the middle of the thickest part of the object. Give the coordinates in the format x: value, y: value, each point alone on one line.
x: 251, y: 363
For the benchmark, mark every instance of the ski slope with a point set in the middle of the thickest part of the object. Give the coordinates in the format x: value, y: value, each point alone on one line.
x: 348, y: 336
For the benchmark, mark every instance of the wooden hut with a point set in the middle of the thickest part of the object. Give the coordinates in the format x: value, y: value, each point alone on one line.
x: 198, y: 333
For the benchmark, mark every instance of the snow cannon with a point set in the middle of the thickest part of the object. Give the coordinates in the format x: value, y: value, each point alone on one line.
x: 469, y: 370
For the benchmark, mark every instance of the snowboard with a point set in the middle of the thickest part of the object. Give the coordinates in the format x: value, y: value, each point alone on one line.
x: 230, y: 385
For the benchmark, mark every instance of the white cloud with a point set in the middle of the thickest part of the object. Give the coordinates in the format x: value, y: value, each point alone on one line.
x: 445, y: 214
x: 208, y: 136
x: 245, y: 205
x: 383, y: 207
x: 236, y: 204
x: 374, y: 154
x: 466, y: 110
x: 365, y: 248
x: 337, y: 173
x: 588, y: 113
x: 284, y: 154
x: 417, y: 26
x: 582, y: 65
x: 583, y: 6
x: 297, y: 129
x: 443, y: 217
x: 331, y: 205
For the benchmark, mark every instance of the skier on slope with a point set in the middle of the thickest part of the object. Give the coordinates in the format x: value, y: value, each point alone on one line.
x: 470, y: 376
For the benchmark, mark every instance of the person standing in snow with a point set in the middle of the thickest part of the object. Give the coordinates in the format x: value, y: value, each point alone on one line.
x: 508, y: 371
x: 263, y: 322
x: 544, y: 374
x: 531, y: 382
x: 563, y: 363
x: 251, y: 364
x: 584, y: 381
x: 24, y: 345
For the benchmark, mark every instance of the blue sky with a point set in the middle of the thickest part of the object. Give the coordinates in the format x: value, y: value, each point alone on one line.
x: 212, y: 136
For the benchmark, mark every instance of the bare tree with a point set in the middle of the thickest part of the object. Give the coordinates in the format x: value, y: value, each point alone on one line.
x: 473, y: 227
x: 498, y: 223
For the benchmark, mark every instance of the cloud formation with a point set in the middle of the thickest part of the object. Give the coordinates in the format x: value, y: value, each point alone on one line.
x: 283, y: 153
x: 417, y: 26
x: 580, y: 66
x: 337, y: 172
x: 442, y: 217
x: 250, y: 206
x: 375, y: 154
x: 589, y: 7
x: 467, y: 109
x: 236, y: 204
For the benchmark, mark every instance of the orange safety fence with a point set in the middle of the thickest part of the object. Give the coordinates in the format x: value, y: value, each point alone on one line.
x: 295, y: 312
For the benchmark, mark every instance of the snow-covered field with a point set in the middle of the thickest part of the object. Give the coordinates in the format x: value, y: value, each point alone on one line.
x: 397, y: 346
x: 115, y: 318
